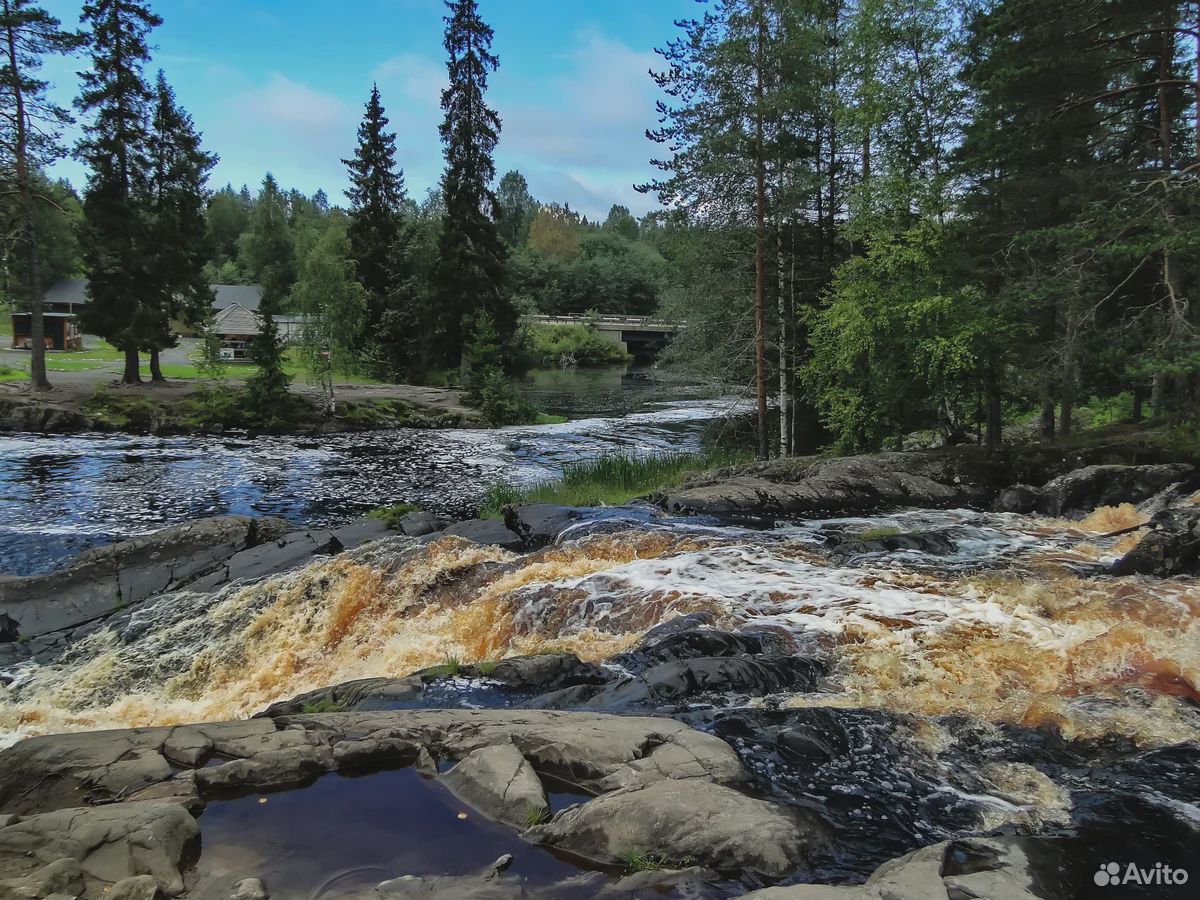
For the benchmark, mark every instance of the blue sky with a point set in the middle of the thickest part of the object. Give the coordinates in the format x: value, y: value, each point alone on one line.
x: 279, y: 85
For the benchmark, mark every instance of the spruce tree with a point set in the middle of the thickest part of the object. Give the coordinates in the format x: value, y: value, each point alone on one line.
x: 29, y: 140
x: 116, y: 235
x: 270, y: 253
x: 471, y: 257
x: 179, y: 228
x: 376, y: 197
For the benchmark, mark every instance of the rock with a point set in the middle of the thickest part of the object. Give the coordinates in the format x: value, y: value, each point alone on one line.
x: 1171, y: 548
x: 1078, y: 493
x: 931, y: 543
x: 671, y: 682
x: 685, y: 638
x: 63, y: 876
x: 349, y: 695
x: 249, y: 889
x: 539, y: 524
x: 546, y: 671
x: 10, y: 629
x: 487, y: 531
x: 1020, y: 498
x: 943, y: 478
x: 106, y: 578
x: 499, y: 782
x: 137, y: 887
x: 595, y: 753
x: 109, y: 843
x: 489, y: 884
x: 986, y: 868
x: 712, y: 825
x: 421, y: 523
x: 291, y: 551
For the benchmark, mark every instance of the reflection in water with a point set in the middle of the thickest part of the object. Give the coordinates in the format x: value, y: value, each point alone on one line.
x: 62, y: 494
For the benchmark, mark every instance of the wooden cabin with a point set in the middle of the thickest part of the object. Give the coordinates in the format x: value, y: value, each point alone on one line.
x: 61, y: 331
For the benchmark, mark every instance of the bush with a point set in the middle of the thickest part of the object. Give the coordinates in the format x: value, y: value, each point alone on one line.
x: 550, y: 343
x: 391, y: 515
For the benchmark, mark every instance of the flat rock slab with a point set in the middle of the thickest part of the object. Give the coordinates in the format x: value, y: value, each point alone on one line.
x: 190, y: 763
x: 107, y: 578
x: 986, y: 868
x: 843, y: 486
x: 687, y: 823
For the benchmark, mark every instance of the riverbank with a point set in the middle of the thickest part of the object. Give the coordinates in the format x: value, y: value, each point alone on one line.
x: 198, y: 407
x: 682, y: 704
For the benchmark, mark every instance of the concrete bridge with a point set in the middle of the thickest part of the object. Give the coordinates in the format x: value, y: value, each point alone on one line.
x: 641, y: 336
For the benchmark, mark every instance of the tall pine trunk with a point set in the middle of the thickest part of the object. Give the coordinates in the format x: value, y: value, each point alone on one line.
x: 37, y: 321
x: 760, y: 242
x: 156, y: 374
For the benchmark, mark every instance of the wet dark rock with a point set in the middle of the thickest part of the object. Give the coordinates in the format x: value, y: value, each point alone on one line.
x: 931, y: 543
x: 692, y: 679
x: 1020, y: 498
x: 685, y: 638
x: 10, y: 629
x: 487, y: 531
x: 1171, y: 548
x: 545, y: 671
x: 539, y: 524
x: 106, y: 578
x: 962, y: 476
x: 1078, y: 493
x: 348, y: 695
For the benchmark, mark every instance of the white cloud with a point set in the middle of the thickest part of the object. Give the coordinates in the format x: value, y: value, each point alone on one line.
x: 292, y: 106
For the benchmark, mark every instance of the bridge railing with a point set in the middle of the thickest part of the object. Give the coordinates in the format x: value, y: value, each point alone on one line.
x: 612, y: 322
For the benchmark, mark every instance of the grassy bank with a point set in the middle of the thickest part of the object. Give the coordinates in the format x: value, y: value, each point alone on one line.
x: 550, y: 343
x: 610, y: 480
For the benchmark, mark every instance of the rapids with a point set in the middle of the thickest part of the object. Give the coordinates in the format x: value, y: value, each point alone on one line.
x: 1013, y: 626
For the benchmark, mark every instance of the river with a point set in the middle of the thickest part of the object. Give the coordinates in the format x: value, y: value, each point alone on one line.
x: 61, y: 494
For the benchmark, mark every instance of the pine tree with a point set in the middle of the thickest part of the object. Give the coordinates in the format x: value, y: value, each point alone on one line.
x: 471, y: 257
x: 116, y: 234
x: 29, y: 140
x: 179, y: 229
x: 376, y: 197
x: 270, y: 254
x: 516, y: 209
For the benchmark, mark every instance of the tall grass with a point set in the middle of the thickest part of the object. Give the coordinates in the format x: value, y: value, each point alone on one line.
x: 610, y: 480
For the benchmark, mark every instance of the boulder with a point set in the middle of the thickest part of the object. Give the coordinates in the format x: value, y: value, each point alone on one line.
x: 421, y: 523
x: 104, y: 579
x: 930, y: 543
x: 539, y: 524
x: 986, y: 868
x: 1020, y: 498
x: 1171, y: 548
x: 487, y: 531
x: 136, y: 887
x: 685, y: 679
x: 546, y: 671
x: 1078, y: 493
x: 62, y: 877
x: 944, y: 478
x: 708, y: 824
x: 249, y: 889
x: 109, y: 843
x: 10, y: 629
x: 499, y: 782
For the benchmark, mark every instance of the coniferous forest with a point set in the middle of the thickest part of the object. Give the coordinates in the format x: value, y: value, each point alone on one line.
x: 878, y: 217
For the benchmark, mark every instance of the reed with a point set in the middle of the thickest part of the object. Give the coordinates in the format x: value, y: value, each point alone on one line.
x: 609, y: 480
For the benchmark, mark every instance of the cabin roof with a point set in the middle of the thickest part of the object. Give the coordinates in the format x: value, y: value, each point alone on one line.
x: 236, y: 319
x: 74, y: 291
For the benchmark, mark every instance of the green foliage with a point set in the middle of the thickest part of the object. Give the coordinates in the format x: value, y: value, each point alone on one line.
x: 551, y: 344
x: 269, y: 251
x: 875, y: 534
x: 501, y: 403
x: 487, y: 668
x: 638, y: 861
x: 391, y: 515
x: 536, y: 815
x: 609, y: 480
x: 334, y: 306
x: 322, y: 706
